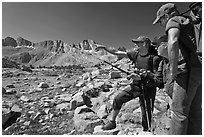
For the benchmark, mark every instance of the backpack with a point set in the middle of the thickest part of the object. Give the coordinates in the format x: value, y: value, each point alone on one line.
x: 195, y: 18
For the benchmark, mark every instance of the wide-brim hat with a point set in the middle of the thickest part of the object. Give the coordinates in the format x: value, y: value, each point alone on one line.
x: 164, y: 9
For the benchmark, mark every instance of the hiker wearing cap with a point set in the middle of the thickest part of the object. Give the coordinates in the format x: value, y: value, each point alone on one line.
x: 163, y: 69
x: 142, y: 59
x: 185, y: 71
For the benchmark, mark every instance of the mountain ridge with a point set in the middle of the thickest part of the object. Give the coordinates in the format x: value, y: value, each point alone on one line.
x: 52, y: 52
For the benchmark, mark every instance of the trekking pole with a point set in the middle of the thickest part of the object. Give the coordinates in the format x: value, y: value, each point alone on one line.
x: 146, y: 110
x: 192, y: 6
x: 128, y: 73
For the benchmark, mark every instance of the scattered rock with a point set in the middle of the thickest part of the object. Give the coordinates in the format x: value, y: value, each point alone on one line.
x: 10, y: 86
x: 11, y: 91
x: 3, y: 90
x: 24, y: 98
x: 43, y: 85
x: 82, y: 109
x: 99, y: 131
x: 62, y: 106
x: 115, y: 75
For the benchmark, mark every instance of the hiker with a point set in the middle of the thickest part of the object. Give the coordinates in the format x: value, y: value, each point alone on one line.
x: 163, y: 72
x: 142, y: 59
x: 185, y: 71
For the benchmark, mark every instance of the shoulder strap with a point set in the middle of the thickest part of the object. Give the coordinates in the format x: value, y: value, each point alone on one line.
x: 150, y: 63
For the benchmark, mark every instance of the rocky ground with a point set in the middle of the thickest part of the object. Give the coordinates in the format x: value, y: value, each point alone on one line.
x: 72, y: 102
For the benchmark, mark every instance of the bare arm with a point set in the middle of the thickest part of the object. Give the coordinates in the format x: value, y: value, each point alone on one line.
x: 112, y: 51
x: 173, y: 50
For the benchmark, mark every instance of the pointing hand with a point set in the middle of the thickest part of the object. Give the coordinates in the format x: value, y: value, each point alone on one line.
x: 99, y: 47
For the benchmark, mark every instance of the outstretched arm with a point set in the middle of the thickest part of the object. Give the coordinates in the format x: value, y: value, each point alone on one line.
x: 112, y: 51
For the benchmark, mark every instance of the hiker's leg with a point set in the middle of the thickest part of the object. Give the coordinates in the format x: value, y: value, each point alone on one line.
x: 119, y: 100
x: 181, y: 103
x: 195, y: 114
x: 144, y: 116
x: 114, y: 115
x: 150, y: 103
x: 179, y: 120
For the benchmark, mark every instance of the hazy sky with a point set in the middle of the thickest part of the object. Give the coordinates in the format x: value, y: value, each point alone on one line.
x: 113, y: 24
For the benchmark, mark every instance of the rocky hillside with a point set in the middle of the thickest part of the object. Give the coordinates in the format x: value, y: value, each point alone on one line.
x: 73, y: 101
x: 52, y: 52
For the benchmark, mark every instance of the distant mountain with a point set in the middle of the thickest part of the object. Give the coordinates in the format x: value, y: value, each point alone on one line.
x: 52, y: 52
x: 9, y: 41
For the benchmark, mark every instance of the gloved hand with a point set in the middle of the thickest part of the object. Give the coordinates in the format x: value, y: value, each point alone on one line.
x: 144, y: 73
x: 134, y: 76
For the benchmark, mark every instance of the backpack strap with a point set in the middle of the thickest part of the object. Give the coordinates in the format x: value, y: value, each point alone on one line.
x: 150, y: 63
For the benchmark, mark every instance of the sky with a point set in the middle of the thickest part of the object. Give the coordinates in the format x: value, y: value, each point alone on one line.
x: 109, y: 23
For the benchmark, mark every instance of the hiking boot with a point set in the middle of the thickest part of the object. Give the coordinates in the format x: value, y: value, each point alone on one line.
x: 109, y: 126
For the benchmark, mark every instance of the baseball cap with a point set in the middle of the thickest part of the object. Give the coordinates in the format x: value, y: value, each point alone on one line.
x: 158, y: 39
x: 142, y: 39
x: 164, y: 9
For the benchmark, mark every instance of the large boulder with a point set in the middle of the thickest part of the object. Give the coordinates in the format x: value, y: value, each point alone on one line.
x: 10, y: 115
x: 85, y: 120
x: 77, y: 100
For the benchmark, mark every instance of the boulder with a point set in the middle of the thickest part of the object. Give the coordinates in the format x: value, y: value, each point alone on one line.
x: 62, y: 106
x: 3, y: 90
x: 24, y: 98
x: 26, y: 68
x: 9, y: 116
x: 102, y: 112
x: 82, y: 109
x: 10, y: 86
x: 115, y: 74
x: 43, y: 85
x: 86, y: 122
x: 6, y: 114
x: 76, y: 101
x: 11, y: 91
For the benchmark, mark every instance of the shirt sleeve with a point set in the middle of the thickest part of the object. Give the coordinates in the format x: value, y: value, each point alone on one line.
x: 173, y: 23
x: 131, y: 55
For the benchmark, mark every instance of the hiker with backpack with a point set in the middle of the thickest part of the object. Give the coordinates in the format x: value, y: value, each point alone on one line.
x: 143, y: 58
x: 185, y: 71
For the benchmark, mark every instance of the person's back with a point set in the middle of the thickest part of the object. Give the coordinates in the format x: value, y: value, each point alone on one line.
x: 187, y: 39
